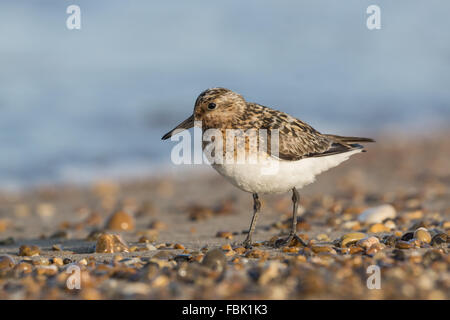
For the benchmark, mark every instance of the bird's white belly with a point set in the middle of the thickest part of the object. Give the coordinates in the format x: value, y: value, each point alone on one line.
x: 273, y: 175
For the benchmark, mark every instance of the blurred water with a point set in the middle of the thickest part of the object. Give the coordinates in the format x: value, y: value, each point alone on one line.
x: 81, y: 104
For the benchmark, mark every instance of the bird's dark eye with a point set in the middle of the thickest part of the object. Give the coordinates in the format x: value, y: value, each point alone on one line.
x: 211, y: 106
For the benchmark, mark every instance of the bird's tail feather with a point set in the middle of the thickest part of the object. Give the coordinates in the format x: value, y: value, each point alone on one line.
x: 349, y: 139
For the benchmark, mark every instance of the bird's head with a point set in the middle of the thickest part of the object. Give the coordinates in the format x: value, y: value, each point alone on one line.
x: 215, y: 108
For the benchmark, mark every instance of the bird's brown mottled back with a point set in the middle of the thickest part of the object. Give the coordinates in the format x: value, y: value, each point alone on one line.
x: 297, y: 140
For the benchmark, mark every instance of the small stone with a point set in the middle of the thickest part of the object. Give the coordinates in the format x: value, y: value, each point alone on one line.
x: 423, y: 235
x: 7, y: 241
x: 224, y: 234
x: 150, y: 247
x: 390, y: 240
x: 431, y: 256
x: 291, y: 249
x: 121, y: 221
x: 256, y: 254
x: 366, y: 243
x: 374, y: 249
x: 227, y: 247
x: 240, y: 250
x: 144, y: 239
x: 322, y: 248
x: 163, y: 254
x: 377, y: 214
x: 269, y: 273
x: 413, y: 215
x: 403, y: 244
x: 352, y: 237
x: 390, y: 225
x: 446, y: 225
x: 6, y: 263
x: 215, y: 260
x: 29, y: 251
x: 110, y: 243
x: 60, y: 235
x: 179, y: 246
x: 67, y: 260
x: 323, y: 237
x: 57, y: 261
x: 22, y: 210
x: 351, y: 225
x: 56, y: 247
x: 407, y: 236
x: 45, y: 210
x: 378, y: 227
x: 158, y: 225
x: 355, y: 249
x: 4, y: 224
x: 439, y: 240
x: 23, y: 267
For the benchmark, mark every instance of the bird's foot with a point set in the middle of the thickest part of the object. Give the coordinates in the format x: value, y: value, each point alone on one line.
x: 247, y: 244
x: 292, y: 240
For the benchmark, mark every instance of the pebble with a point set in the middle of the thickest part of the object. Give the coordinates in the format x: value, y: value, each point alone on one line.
x: 121, y: 221
x: 256, y: 254
x: 446, y: 225
x: 366, y: 243
x: 4, y: 224
x: 227, y: 247
x: 29, y: 251
x: 45, y: 210
x: 374, y: 249
x: 224, y: 234
x: 323, y: 237
x: 412, y: 215
x: 439, y: 239
x: 58, y: 261
x: 240, y: 250
x: 423, y: 235
x: 150, y: 247
x: 354, y: 250
x: 269, y: 273
x: 403, y: 244
x: 407, y: 236
x: 110, y: 243
x: 23, y: 267
x: 377, y: 214
x: 322, y: 248
x: 158, y: 225
x: 378, y: 228
x: 352, y: 237
x: 390, y: 225
x: 179, y: 246
x: 215, y: 260
x: 6, y: 263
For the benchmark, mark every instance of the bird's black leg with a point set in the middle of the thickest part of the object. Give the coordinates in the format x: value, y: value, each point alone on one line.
x: 295, y: 198
x: 256, y: 208
x: 292, y: 233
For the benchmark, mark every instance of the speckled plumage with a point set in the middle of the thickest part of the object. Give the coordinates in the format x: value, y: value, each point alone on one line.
x: 297, y: 139
x: 303, y: 152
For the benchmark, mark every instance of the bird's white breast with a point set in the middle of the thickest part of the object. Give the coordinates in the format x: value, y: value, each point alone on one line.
x: 273, y: 175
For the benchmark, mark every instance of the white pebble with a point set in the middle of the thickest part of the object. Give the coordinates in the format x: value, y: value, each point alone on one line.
x: 377, y: 214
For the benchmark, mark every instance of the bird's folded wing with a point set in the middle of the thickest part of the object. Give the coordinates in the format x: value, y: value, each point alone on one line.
x: 298, y: 140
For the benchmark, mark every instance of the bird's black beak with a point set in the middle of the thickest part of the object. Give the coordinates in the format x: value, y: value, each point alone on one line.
x: 186, y: 124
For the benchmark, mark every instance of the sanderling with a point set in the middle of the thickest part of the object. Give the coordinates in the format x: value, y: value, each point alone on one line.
x: 301, y: 151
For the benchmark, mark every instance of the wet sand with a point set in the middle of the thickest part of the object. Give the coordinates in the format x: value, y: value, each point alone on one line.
x: 170, y: 223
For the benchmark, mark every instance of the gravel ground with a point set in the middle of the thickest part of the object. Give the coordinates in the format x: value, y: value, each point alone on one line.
x: 178, y: 236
